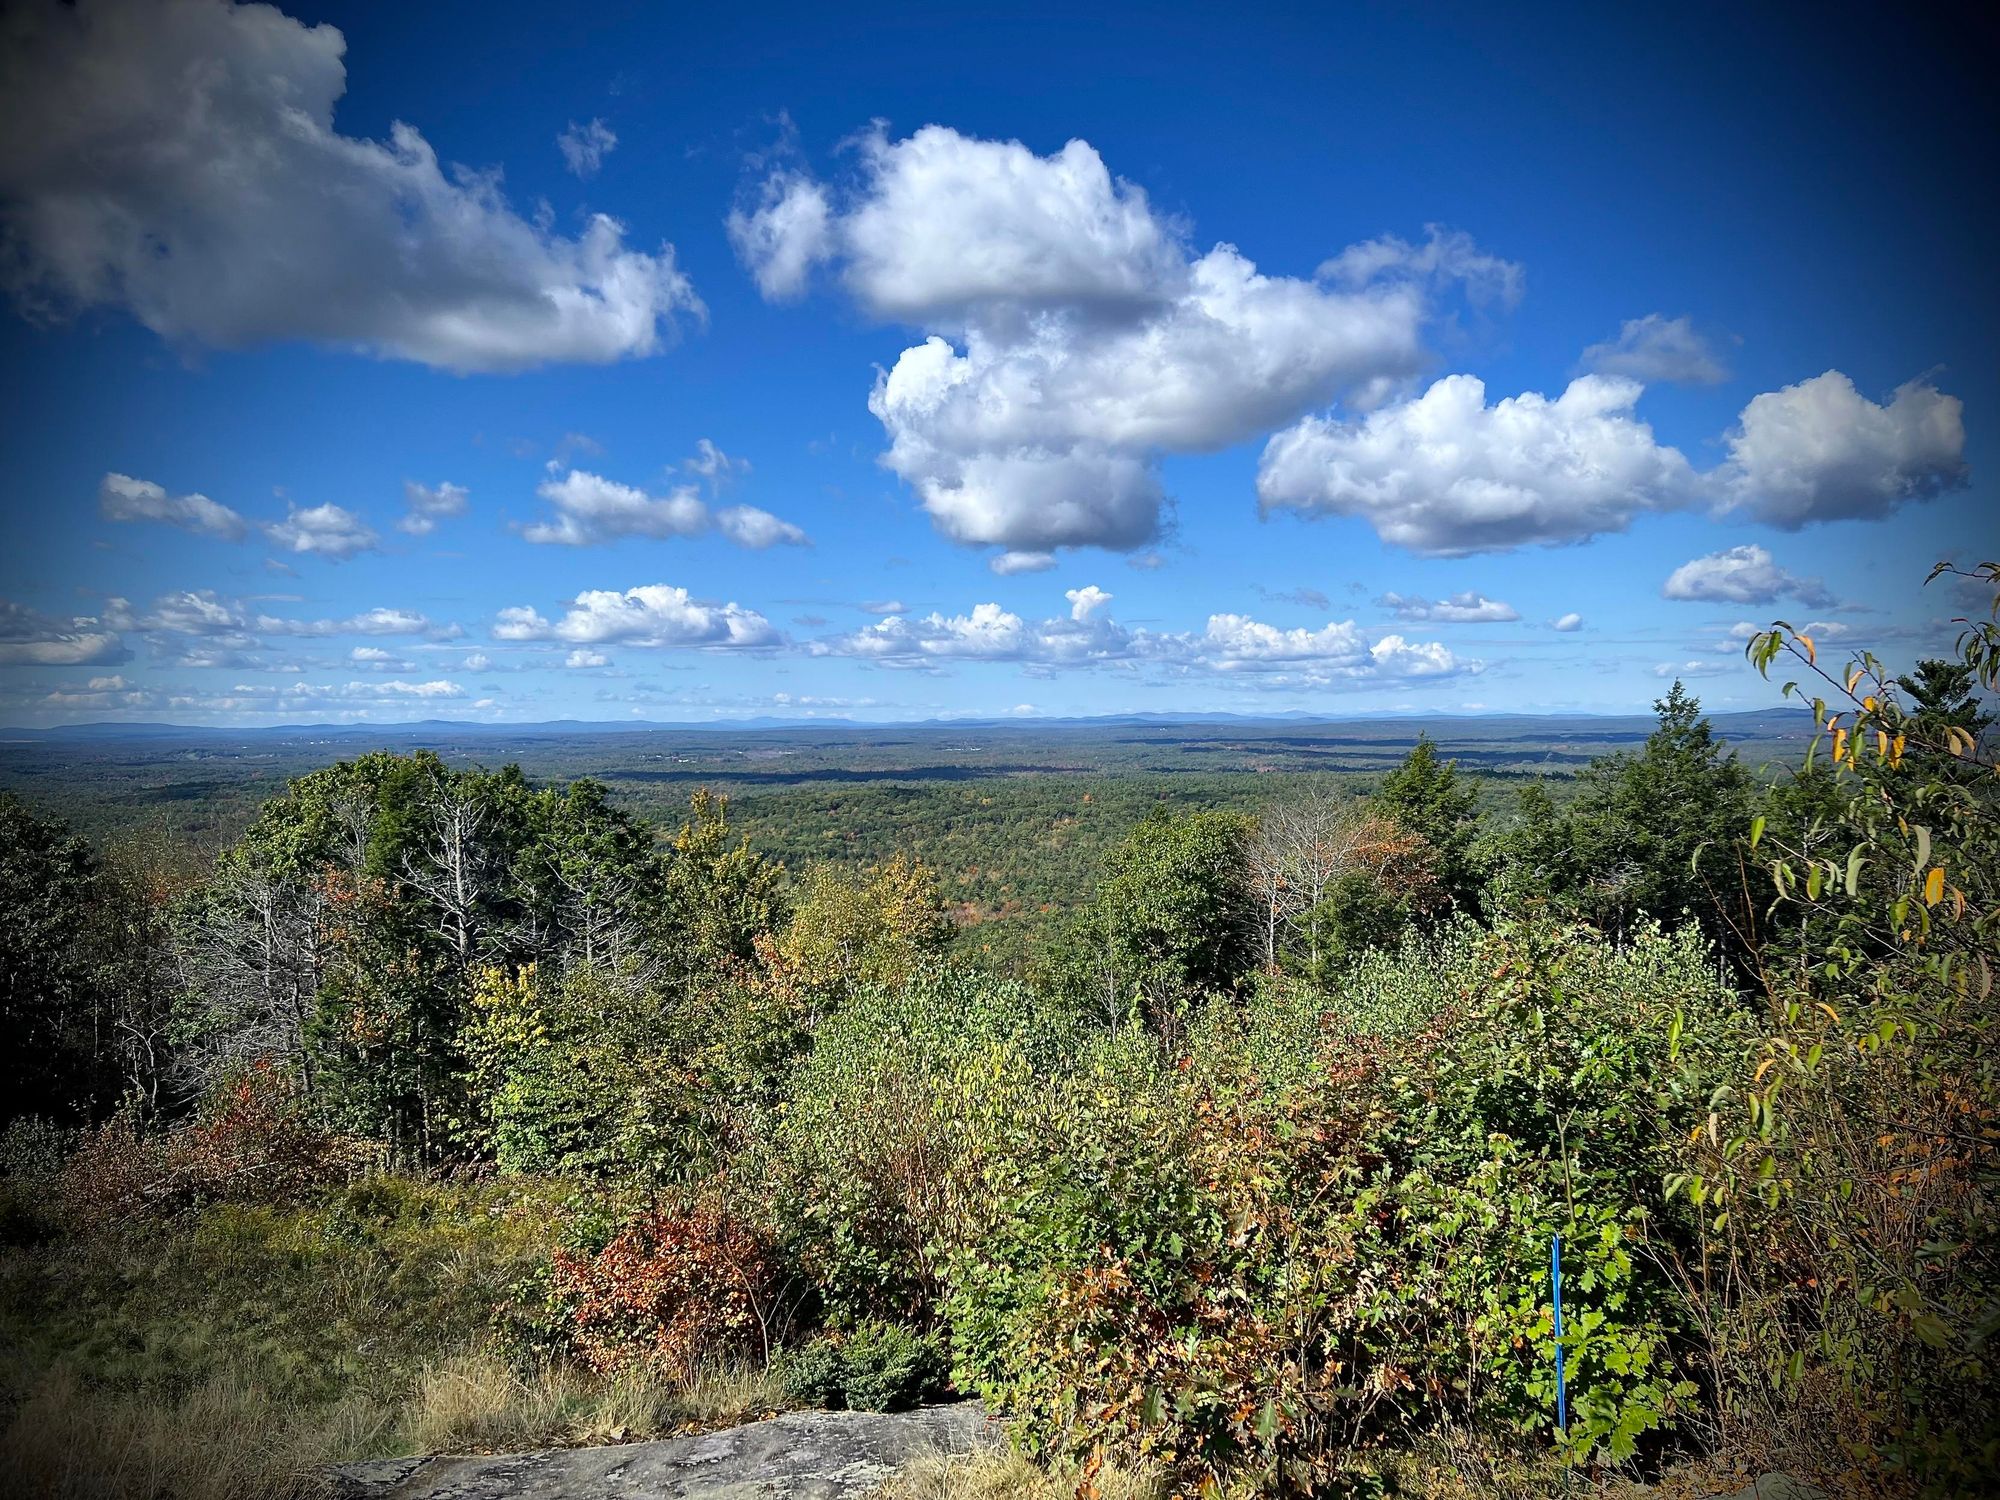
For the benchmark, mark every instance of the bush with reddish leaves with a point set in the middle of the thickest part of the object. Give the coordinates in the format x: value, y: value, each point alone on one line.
x: 252, y: 1141
x: 674, y: 1289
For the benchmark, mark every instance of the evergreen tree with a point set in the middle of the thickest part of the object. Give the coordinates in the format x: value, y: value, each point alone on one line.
x: 1426, y: 797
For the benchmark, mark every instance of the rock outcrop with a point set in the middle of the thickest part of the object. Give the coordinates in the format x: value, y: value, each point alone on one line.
x: 812, y: 1455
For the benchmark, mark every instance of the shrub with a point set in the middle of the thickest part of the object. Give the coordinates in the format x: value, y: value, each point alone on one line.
x: 674, y: 1288
x: 891, y: 1367
x: 874, y: 1366
x: 872, y: 1158
x: 815, y: 1374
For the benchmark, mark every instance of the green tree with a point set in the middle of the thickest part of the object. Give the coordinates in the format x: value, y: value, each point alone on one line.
x: 719, y: 894
x: 1659, y: 834
x: 49, y: 1016
x: 1426, y: 797
x: 878, y: 926
x: 1175, y: 912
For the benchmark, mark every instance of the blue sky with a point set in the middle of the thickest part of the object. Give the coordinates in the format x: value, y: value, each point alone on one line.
x: 1182, y: 358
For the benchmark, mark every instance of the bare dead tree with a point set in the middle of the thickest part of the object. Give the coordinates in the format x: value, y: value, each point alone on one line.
x: 454, y: 870
x: 252, y: 968
x: 1304, y: 848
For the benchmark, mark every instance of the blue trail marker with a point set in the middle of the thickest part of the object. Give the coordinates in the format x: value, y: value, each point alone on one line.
x: 1556, y: 1281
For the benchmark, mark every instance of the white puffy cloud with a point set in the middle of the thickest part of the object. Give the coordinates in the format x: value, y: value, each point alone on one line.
x: 1086, y: 637
x: 787, y: 233
x: 1822, y: 451
x: 1742, y: 575
x: 430, y: 504
x: 747, y: 526
x: 1567, y: 623
x: 580, y: 659
x: 1465, y: 608
x: 1086, y: 601
x: 1074, y: 335
x: 1658, y: 350
x: 1445, y: 474
x: 120, y: 497
x: 322, y: 530
x: 584, y: 147
x: 591, y: 510
x: 31, y: 639
x: 179, y: 159
x: 655, y: 614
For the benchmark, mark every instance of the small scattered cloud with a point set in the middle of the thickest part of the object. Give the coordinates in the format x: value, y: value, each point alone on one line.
x: 1086, y: 601
x: 1087, y: 636
x: 655, y: 614
x: 120, y: 497
x: 1007, y: 564
x: 1464, y: 608
x: 1304, y: 597
x: 591, y: 510
x: 1656, y: 350
x: 1692, y: 669
x: 715, y: 466
x: 322, y: 531
x: 427, y: 505
x: 1743, y: 575
x: 747, y: 526
x: 32, y: 639
x: 584, y: 147
x: 1567, y: 623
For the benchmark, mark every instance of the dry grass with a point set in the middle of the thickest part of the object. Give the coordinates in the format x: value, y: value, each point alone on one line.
x: 475, y: 1402
x: 1005, y: 1475
x: 227, y: 1440
x: 220, y: 1441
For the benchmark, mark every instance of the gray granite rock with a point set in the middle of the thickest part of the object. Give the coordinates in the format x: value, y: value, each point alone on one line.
x: 1777, y: 1487
x: 814, y: 1455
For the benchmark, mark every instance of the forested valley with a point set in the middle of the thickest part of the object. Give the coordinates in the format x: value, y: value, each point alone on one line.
x: 454, y: 1108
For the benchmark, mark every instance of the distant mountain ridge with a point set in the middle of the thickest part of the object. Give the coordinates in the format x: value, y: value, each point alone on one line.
x: 1740, y: 724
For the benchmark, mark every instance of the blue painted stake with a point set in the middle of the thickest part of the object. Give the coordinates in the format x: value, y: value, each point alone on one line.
x: 1556, y: 1280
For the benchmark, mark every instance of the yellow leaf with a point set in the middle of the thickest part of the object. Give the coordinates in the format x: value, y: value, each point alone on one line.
x: 1812, y: 655
x: 1831, y: 1012
x: 1934, y: 886
x: 1853, y: 676
x: 1763, y: 1068
x: 1896, y: 749
x: 1869, y: 703
x: 1839, y: 745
